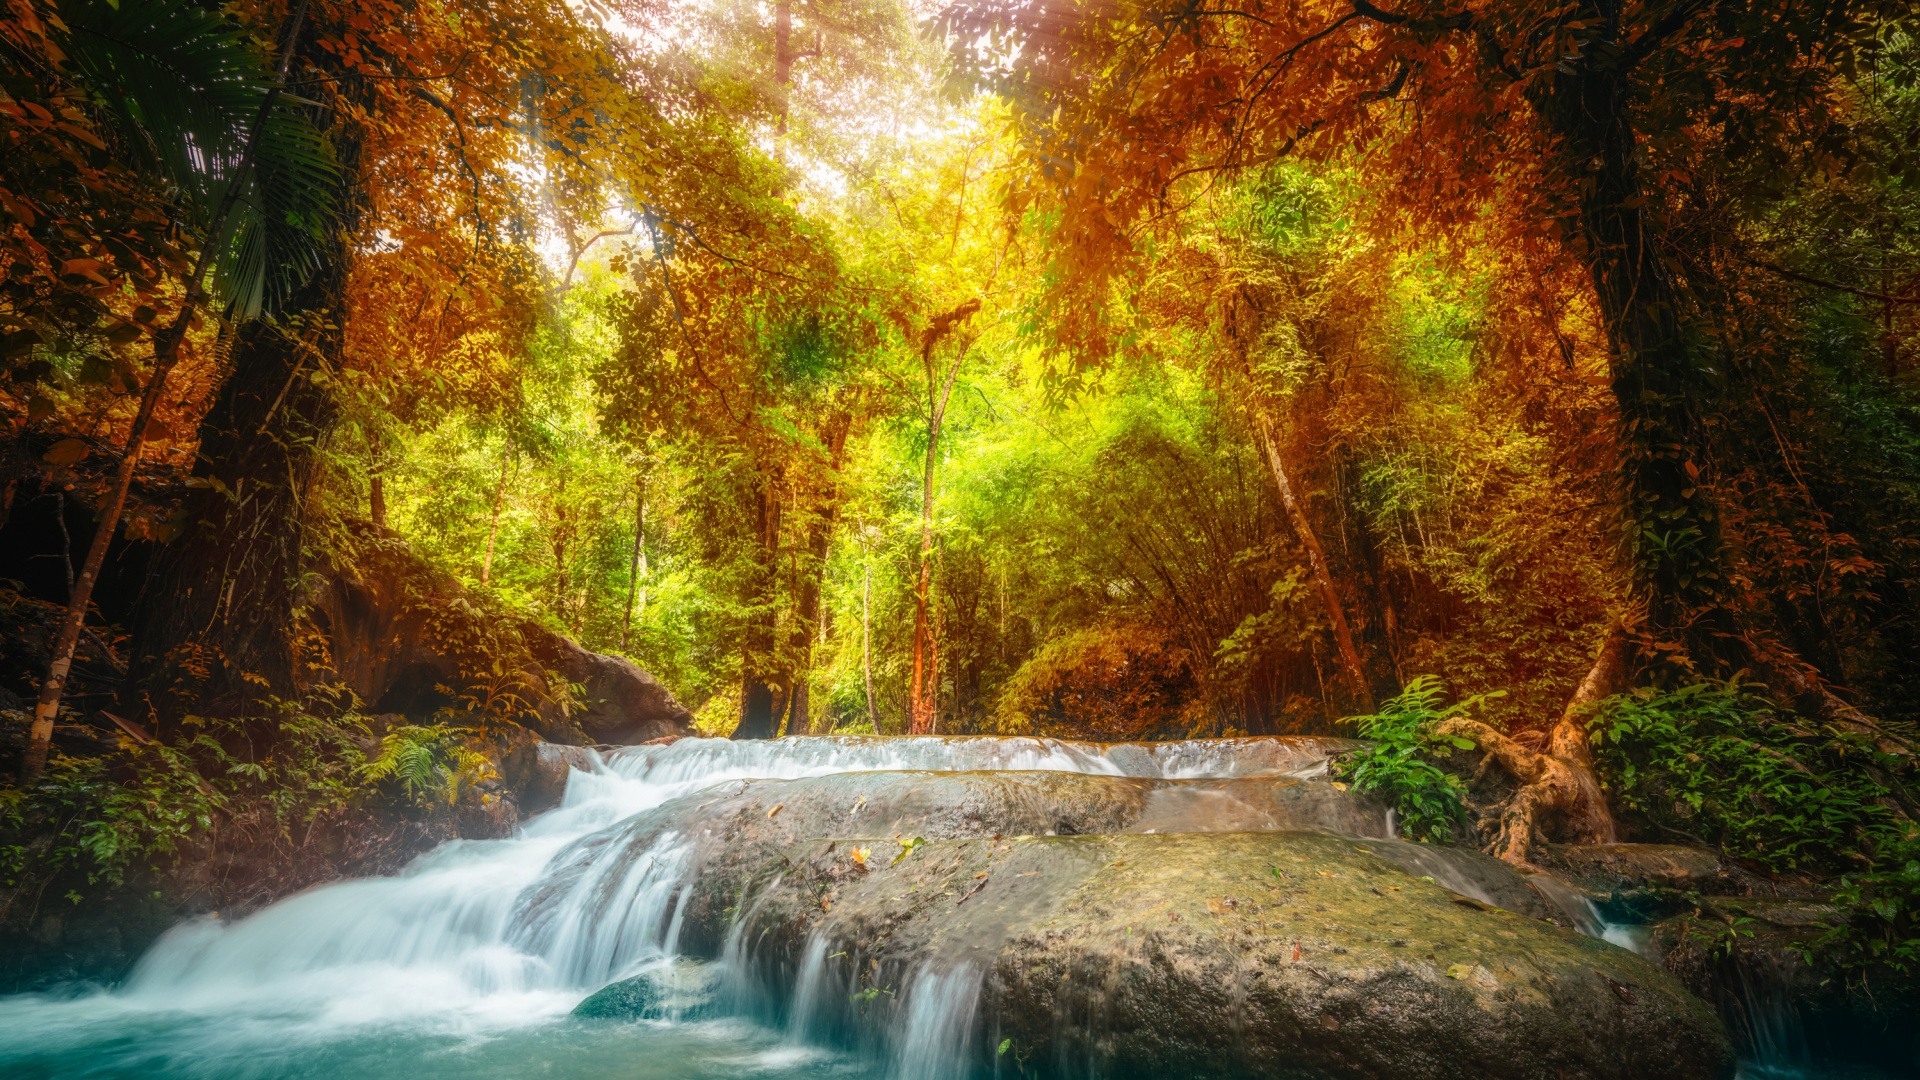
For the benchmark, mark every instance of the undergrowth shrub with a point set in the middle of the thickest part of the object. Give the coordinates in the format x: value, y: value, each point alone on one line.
x: 1113, y: 683
x: 1882, y: 927
x: 1396, y: 767
x: 1720, y: 765
x: 104, y: 817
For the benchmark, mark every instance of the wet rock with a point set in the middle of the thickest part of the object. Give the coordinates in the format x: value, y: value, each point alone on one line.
x: 623, y: 703
x: 765, y: 816
x: 670, y: 990
x: 1198, y: 955
x: 1615, y: 868
x: 878, y: 904
x: 401, y: 634
x: 544, y: 783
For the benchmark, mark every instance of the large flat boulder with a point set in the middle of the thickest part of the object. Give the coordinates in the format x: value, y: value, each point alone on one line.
x: 903, y: 911
x: 1239, y: 955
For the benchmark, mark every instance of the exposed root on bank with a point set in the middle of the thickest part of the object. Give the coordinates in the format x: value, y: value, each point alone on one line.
x: 1557, y: 782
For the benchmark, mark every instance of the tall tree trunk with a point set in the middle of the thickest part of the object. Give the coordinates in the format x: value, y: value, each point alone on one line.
x: 376, y: 487
x: 1356, y: 675
x: 783, y: 67
x: 557, y: 541
x: 225, y: 592
x: 923, y: 693
x: 819, y: 534
x: 1669, y: 521
x: 166, y: 353
x: 638, y: 567
x: 493, y: 527
x: 760, y: 688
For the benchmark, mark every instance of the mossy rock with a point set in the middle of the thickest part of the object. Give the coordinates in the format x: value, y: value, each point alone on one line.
x: 1228, y: 955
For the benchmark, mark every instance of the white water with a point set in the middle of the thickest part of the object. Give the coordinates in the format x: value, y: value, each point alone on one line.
x: 467, y: 964
x: 1586, y: 916
x: 480, y: 941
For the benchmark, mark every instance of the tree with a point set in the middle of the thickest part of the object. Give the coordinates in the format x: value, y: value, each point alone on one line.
x: 923, y: 693
x: 1584, y: 126
x: 177, y: 77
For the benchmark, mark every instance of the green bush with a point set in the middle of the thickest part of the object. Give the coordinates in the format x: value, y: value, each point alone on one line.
x: 428, y: 762
x: 111, y: 815
x: 1720, y: 765
x: 1882, y: 928
x: 1429, y: 802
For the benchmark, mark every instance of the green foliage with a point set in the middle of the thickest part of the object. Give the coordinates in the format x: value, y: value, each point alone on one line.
x: 1882, y: 928
x: 113, y: 815
x: 428, y: 762
x: 1429, y: 801
x: 182, y: 86
x: 1719, y: 764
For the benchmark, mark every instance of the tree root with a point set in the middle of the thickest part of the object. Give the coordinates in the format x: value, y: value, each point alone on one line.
x: 1556, y: 782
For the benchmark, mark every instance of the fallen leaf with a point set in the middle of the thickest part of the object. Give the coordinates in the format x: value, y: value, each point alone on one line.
x: 1329, y: 1023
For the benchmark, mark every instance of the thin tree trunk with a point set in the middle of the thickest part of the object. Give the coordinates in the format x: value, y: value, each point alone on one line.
x: 638, y: 566
x: 1890, y: 349
x: 166, y: 353
x: 782, y: 69
x: 1322, y: 577
x: 66, y: 539
x: 375, y: 481
x: 866, y: 635
x: 493, y: 528
x: 558, y: 541
x: 922, y: 695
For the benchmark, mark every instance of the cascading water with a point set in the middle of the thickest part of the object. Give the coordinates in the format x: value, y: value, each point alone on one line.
x: 472, y: 958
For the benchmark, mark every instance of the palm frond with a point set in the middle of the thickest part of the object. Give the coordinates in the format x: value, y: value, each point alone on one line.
x: 182, y: 88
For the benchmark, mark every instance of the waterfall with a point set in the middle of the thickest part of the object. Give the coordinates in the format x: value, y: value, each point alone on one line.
x: 478, y: 940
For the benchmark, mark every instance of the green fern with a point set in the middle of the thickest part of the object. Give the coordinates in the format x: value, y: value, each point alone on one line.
x: 428, y: 762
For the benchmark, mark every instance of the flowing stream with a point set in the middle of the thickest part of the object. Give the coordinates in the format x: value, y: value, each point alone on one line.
x: 470, y: 963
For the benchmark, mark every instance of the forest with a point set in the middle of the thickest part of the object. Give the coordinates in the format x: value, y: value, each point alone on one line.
x: 547, y: 460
